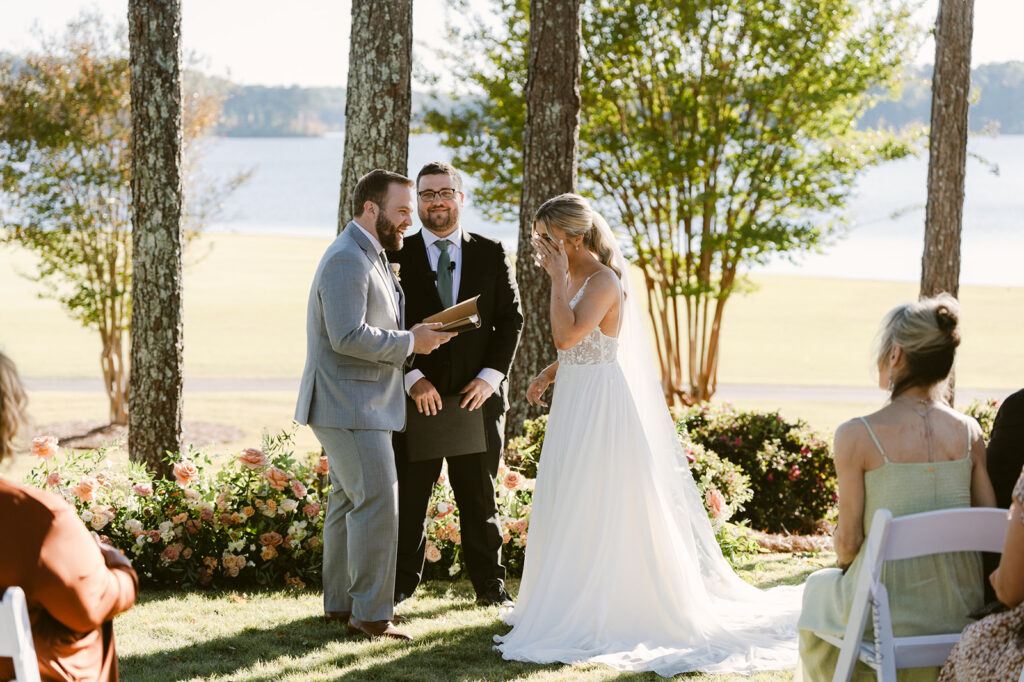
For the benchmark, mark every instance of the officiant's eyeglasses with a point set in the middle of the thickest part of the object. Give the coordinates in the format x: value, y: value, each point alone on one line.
x: 430, y: 195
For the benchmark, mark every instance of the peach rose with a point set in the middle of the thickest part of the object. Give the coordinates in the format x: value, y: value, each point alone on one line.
x: 170, y: 553
x: 298, y: 488
x: 313, y: 542
x: 143, y: 489
x: 433, y: 553
x: 253, y: 459
x: 226, y: 519
x: 513, y: 480
x: 185, y: 473
x: 311, y: 510
x: 271, y: 539
x: 268, y: 553
x: 85, y: 488
x: 441, y: 510
x: 505, y: 537
x: 277, y: 478
x: 44, y: 446
x: 248, y: 511
x: 716, y: 502
x: 321, y: 468
x: 206, y: 515
x: 53, y: 479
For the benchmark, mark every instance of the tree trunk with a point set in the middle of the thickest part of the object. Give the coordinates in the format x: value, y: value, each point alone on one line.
x: 155, y: 395
x: 947, y: 148
x: 378, y: 101
x: 550, y: 140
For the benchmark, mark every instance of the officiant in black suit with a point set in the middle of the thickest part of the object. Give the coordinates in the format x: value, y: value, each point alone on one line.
x: 441, y: 265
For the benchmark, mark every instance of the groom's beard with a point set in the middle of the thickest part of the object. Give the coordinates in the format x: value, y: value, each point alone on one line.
x: 440, y: 221
x: 389, y: 234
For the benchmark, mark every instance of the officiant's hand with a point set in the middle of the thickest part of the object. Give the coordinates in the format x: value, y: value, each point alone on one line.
x: 475, y: 393
x: 426, y: 397
x: 426, y: 337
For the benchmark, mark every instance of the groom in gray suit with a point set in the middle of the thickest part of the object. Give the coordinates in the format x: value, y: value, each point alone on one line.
x: 352, y: 397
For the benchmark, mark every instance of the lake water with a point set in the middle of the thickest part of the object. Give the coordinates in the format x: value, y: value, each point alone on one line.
x: 294, y: 191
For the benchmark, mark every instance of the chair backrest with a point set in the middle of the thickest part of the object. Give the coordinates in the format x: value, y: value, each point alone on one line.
x: 16, y: 635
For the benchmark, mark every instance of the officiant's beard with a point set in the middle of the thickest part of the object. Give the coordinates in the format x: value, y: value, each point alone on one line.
x: 388, y: 234
x: 441, y: 223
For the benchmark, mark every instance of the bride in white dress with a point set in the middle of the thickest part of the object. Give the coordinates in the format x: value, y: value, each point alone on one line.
x: 622, y: 567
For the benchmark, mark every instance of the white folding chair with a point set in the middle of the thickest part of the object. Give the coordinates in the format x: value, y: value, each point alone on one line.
x: 16, y: 635
x: 971, y: 529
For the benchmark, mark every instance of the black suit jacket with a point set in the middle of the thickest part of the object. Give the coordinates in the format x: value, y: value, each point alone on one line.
x: 486, y: 271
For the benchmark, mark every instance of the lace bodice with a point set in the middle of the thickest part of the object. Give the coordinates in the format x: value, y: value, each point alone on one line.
x: 594, y: 349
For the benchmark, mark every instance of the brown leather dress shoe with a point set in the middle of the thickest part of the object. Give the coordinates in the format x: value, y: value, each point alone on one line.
x: 375, y: 628
x: 337, y: 616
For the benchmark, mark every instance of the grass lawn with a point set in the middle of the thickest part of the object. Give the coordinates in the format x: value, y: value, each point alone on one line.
x: 279, y: 635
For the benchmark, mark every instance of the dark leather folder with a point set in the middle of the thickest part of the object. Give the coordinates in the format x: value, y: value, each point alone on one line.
x: 451, y: 432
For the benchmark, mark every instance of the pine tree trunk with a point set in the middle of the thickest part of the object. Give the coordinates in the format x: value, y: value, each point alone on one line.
x: 378, y: 100
x: 549, y: 168
x: 155, y: 395
x: 947, y: 149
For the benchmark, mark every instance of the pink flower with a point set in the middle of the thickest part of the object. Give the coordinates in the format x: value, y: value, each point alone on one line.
x: 53, y: 479
x: 794, y: 473
x: 298, y: 489
x: 716, y: 502
x: 85, y: 488
x: 441, y: 479
x: 321, y: 468
x: 170, y: 553
x: 433, y: 553
x: 44, y: 446
x: 143, y: 489
x: 206, y: 515
x: 253, y: 458
x: 311, y: 510
x: 513, y: 480
x: 690, y: 457
x: 271, y: 539
x: 441, y: 510
x: 277, y: 478
x: 185, y: 473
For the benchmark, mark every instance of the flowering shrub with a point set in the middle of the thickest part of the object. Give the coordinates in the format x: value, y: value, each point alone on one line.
x: 789, y: 465
x: 722, y: 484
x: 514, y: 494
x: 523, y: 451
x: 985, y: 412
x: 258, y: 520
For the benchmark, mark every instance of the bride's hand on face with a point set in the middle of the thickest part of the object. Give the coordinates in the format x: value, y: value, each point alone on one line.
x: 550, y: 255
x: 536, y: 389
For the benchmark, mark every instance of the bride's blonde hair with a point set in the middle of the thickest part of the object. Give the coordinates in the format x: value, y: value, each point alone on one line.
x: 12, y: 406
x: 572, y: 214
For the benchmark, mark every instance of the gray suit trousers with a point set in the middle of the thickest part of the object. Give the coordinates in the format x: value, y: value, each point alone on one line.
x: 361, y: 526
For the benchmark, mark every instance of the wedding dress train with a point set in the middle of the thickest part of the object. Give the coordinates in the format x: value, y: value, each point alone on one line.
x: 622, y: 567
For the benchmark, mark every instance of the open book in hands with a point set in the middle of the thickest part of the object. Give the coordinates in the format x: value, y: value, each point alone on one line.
x: 460, y: 317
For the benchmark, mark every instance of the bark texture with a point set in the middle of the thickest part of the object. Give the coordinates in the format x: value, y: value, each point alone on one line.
x: 550, y: 141
x: 947, y: 148
x: 378, y: 102
x: 155, y: 396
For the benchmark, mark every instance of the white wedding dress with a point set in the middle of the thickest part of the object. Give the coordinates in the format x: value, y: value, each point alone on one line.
x: 622, y: 567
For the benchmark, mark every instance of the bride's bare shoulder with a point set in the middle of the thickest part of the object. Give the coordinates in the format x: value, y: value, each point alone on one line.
x: 604, y: 281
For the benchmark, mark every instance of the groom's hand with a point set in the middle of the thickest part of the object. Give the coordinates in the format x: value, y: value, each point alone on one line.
x: 426, y: 337
x: 475, y: 393
x: 426, y: 397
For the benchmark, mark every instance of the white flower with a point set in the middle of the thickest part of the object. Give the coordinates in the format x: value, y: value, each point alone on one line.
x: 87, y: 516
x: 442, y: 508
x: 165, y: 527
x: 133, y: 526
x: 191, y: 494
x: 235, y: 546
x: 268, y: 512
x: 454, y: 569
x: 250, y: 563
x: 289, y: 505
x: 168, y: 536
x: 252, y: 548
x: 141, y: 540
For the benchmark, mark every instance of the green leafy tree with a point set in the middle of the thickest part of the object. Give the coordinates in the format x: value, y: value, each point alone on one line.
x: 715, y: 134
x: 65, y: 169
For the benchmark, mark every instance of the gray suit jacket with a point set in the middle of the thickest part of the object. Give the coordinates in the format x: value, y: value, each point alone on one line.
x: 356, y: 345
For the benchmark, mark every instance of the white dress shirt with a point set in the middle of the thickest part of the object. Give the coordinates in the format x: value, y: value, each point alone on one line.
x: 387, y: 278
x: 491, y: 376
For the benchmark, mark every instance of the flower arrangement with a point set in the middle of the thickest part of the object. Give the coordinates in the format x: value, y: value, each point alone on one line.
x: 256, y: 521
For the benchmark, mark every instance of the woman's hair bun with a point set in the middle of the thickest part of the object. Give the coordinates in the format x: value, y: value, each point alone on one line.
x: 948, y: 319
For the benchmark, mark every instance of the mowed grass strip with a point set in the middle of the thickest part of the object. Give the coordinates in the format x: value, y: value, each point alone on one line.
x: 280, y: 635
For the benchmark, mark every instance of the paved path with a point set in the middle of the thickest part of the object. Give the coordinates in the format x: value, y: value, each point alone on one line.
x: 825, y: 394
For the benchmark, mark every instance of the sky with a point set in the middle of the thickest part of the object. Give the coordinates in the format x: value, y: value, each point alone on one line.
x: 305, y: 42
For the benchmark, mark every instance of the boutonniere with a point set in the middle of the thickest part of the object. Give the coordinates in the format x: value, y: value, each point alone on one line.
x: 395, y: 267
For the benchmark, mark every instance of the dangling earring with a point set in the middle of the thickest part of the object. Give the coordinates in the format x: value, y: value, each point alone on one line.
x: 892, y: 384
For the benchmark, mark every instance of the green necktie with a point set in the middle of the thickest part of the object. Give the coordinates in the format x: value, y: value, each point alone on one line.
x: 444, y: 274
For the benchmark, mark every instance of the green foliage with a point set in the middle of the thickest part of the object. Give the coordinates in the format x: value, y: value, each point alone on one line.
x: 789, y: 465
x: 716, y: 134
x: 713, y: 473
x: 65, y: 178
x: 985, y: 412
x: 523, y: 451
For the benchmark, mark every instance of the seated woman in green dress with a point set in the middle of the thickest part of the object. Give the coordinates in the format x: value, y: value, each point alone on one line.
x: 916, y: 454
